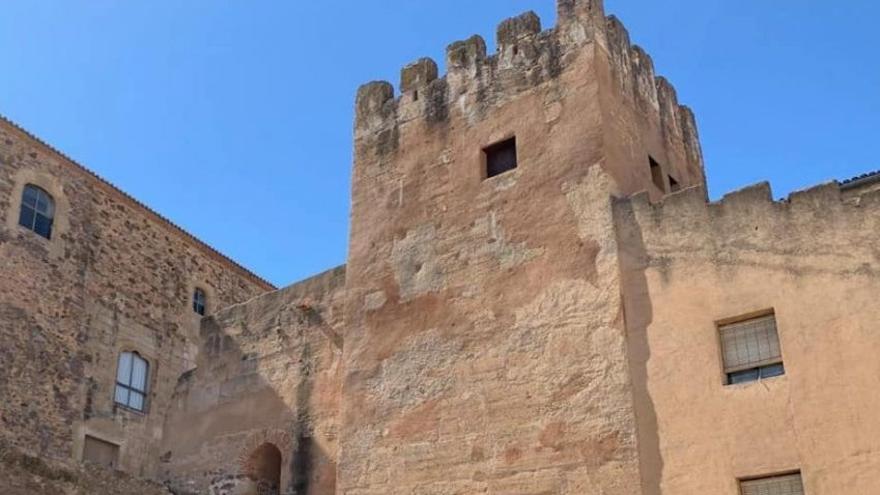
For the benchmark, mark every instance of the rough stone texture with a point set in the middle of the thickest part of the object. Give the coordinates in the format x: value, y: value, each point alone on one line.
x: 269, y: 371
x: 813, y: 259
x: 485, y: 348
x: 114, y: 277
x: 551, y: 330
x: 855, y: 188
x: 23, y: 474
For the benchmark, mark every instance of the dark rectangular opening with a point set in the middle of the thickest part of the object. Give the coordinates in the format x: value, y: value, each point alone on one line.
x: 674, y: 186
x: 500, y: 157
x: 657, y: 174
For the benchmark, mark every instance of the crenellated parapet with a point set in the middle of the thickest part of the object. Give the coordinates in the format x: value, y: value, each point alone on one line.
x: 809, y: 230
x: 633, y: 69
x: 526, y: 56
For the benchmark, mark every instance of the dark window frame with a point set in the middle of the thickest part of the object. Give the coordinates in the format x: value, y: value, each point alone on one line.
x: 500, y: 158
x: 131, y: 388
x: 200, y: 301
x: 771, y: 367
x: 743, y: 482
x: 37, y: 210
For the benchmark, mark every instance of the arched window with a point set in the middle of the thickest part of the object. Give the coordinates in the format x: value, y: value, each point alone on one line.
x: 37, y: 210
x: 131, y: 381
x: 200, y: 301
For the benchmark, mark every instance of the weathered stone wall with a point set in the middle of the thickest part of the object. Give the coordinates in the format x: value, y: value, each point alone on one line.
x: 855, y: 188
x: 24, y: 474
x: 269, y: 372
x: 114, y: 277
x: 485, y: 348
x: 814, y: 260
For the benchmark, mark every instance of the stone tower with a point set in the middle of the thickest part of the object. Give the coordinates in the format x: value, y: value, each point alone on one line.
x: 485, y: 347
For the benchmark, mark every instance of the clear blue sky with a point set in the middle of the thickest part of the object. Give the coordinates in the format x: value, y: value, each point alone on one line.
x: 233, y: 118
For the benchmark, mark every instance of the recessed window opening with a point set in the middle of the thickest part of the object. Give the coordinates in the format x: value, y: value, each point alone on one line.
x: 657, y: 174
x: 416, y: 95
x: 789, y: 484
x: 100, y: 452
x: 751, y: 350
x: 37, y: 210
x: 200, y: 301
x: 500, y: 157
x: 131, y: 381
x: 674, y: 186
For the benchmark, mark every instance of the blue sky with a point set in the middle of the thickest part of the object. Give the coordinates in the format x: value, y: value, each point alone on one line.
x: 234, y: 118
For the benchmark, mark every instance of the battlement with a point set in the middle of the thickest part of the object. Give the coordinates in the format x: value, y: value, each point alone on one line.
x: 817, y: 227
x: 526, y: 57
x: 823, y: 198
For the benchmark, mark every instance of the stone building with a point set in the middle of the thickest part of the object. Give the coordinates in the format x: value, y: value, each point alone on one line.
x: 539, y: 299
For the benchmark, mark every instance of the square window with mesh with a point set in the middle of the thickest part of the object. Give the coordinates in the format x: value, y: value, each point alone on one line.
x: 790, y: 484
x: 750, y: 350
x: 500, y: 157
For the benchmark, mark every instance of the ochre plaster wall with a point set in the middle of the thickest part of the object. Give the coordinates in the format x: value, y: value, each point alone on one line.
x: 485, y: 349
x: 812, y: 259
x: 269, y: 372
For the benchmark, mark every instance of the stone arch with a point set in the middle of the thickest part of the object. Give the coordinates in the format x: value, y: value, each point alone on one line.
x: 264, y: 466
x: 252, y: 457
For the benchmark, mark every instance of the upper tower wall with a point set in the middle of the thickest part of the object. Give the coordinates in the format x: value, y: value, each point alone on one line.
x: 477, y: 83
x: 483, y: 309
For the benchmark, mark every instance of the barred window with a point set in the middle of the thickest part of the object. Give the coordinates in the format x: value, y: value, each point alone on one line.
x: 790, y: 484
x: 200, y: 301
x: 750, y: 350
x: 131, y: 381
x: 37, y: 211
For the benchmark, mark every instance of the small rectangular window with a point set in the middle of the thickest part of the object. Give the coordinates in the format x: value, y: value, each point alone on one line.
x: 790, y: 484
x: 674, y: 186
x: 751, y: 350
x: 657, y: 174
x: 500, y: 157
x: 100, y: 452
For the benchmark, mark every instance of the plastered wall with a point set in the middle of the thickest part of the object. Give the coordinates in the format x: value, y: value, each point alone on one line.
x: 813, y: 260
x: 269, y: 372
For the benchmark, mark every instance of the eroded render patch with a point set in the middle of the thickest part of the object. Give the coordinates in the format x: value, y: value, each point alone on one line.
x: 415, y: 264
x: 495, y: 243
x: 420, y: 371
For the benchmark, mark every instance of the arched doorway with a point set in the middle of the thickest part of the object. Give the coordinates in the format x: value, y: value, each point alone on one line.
x: 264, y: 468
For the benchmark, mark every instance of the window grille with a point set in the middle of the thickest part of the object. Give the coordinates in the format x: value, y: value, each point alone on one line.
x: 791, y: 484
x: 131, y: 381
x: 37, y: 211
x: 200, y: 301
x: 751, y: 350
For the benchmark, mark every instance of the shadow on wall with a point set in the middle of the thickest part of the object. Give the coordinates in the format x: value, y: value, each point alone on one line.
x: 639, y: 313
x: 246, y: 420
